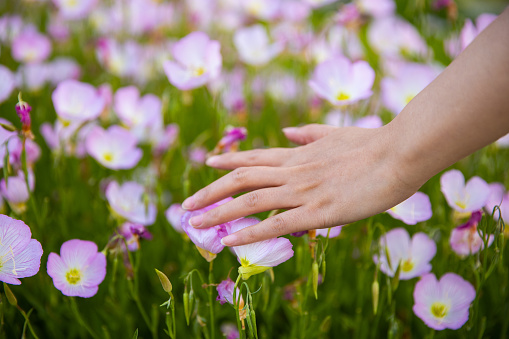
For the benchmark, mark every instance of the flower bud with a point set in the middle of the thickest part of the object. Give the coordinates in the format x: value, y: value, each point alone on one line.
x: 165, y: 282
x: 314, y: 270
x: 10, y: 296
x: 375, y: 290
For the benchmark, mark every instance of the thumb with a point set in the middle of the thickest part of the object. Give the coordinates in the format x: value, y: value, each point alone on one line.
x: 307, y: 134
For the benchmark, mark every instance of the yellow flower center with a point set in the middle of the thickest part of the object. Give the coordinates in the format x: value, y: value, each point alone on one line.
x: 409, y: 98
x: 108, y: 156
x: 438, y: 309
x: 73, y: 276
x: 72, y: 3
x: 342, y: 96
x: 460, y: 204
x: 198, y: 71
x: 407, y: 265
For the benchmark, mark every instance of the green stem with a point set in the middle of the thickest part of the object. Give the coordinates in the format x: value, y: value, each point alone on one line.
x: 27, y: 321
x: 236, y: 306
x: 134, y: 294
x: 82, y: 322
x: 173, y: 315
x: 211, y: 302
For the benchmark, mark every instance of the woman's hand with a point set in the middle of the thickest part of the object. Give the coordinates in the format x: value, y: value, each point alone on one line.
x: 339, y: 176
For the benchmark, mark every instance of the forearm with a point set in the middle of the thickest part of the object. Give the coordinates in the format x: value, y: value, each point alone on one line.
x: 461, y: 111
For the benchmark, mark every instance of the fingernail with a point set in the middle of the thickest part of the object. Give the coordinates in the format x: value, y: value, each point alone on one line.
x: 188, y: 203
x: 290, y: 129
x: 196, y: 220
x: 212, y: 161
x: 229, y: 240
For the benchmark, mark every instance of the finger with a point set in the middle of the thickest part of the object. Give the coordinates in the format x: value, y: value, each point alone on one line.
x: 307, y: 134
x: 287, y: 222
x: 250, y: 203
x: 258, y: 157
x: 242, y: 179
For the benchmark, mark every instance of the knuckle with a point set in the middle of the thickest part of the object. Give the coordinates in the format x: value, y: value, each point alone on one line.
x: 251, y: 199
x: 239, y: 175
x: 253, y: 156
x: 278, y: 224
x: 249, y: 235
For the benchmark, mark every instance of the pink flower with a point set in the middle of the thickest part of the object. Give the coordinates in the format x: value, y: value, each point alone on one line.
x: 15, y: 190
x: 503, y: 142
x: 445, y: 303
x: 32, y: 76
x: 162, y: 139
x: 63, y: 68
x: 132, y: 233
x: 230, y: 331
x: 78, y: 270
x: 342, y: 82
x: 225, y: 291
x: 340, y: 119
x: 197, y: 61
x: 266, y: 10
x: 142, y: 115
x: 253, y: 45
x: 20, y: 256
x: 415, y: 209
x: 7, y: 83
x: 392, y: 37
x: 207, y: 240
x: 127, y: 201
x: 377, y: 8
x: 76, y: 101
x: 260, y: 256
x: 469, y: 31
x: 334, y: 232
x: 409, y: 79
x: 114, y: 148
x: 465, y: 239
x: 198, y: 155
x: 231, y: 139
x: 495, y: 198
x: 413, y: 254
x: 121, y: 59
x: 318, y: 3
x: 464, y: 198
x: 293, y: 11
x: 76, y: 9
x: 174, y: 216
x: 31, y: 47
x: 15, y: 146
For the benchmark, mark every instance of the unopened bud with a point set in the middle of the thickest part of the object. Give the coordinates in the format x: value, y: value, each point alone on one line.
x: 165, y: 282
x: 314, y: 270
x: 186, y: 305
x: 375, y: 290
x: 10, y: 296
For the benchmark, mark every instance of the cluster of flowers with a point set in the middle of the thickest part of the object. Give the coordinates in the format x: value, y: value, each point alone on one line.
x: 342, y: 77
x: 78, y: 270
x: 443, y: 304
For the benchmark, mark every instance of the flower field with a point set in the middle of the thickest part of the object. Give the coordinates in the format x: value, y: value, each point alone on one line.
x: 111, y: 111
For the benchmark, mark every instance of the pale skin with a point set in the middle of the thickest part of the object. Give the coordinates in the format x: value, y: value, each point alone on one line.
x: 342, y: 175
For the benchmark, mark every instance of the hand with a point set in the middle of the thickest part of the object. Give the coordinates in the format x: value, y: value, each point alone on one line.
x: 339, y: 176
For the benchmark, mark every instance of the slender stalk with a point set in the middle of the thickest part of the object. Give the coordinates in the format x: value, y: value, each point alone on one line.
x: 173, y: 315
x: 27, y: 321
x: 82, y: 322
x: 134, y: 294
x: 236, y: 306
x: 211, y: 301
